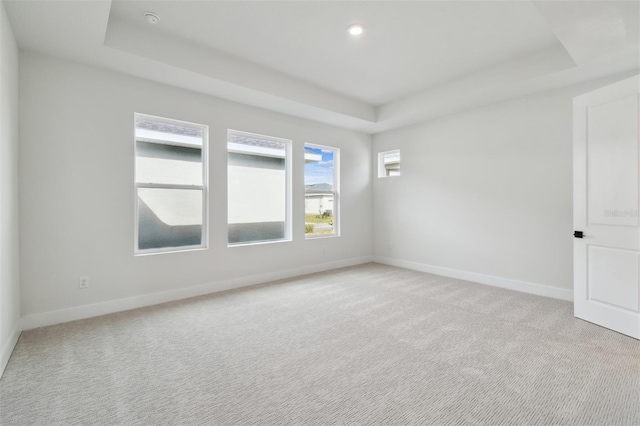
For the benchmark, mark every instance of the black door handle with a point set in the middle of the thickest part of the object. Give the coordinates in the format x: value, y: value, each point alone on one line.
x: 578, y: 234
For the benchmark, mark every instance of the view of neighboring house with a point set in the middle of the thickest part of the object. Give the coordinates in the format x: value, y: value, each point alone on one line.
x: 256, y: 188
x: 318, y: 199
x: 170, y: 167
x: 320, y: 186
x: 169, y: 184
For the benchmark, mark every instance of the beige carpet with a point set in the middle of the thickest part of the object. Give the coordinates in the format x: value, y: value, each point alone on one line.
x: 371, y: 344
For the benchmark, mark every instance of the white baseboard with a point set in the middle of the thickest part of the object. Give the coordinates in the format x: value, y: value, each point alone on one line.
x: 7, y: 350
x: 522, y: 286
x: 87, y: 311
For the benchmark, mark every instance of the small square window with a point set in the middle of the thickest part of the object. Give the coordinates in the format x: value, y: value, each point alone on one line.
x: 389, y: 163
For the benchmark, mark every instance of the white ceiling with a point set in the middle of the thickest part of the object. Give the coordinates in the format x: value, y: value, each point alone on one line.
x: 407, y: 46
x: 416, y: 60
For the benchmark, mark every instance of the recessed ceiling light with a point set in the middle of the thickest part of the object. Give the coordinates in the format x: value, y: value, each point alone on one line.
x: 355, y: 29
x: 151, y: 18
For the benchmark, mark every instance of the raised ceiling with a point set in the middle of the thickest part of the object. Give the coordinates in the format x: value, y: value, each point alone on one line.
x: 408, y: 46
x: 416, y: 60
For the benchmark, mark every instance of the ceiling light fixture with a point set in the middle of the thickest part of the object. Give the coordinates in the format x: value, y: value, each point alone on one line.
x: 151, y: 18
x: 355, y: 29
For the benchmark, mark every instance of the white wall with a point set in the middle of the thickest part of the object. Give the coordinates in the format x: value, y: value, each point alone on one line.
x: 76, y: 193
x: 484, y: 195
x: 9, y: 245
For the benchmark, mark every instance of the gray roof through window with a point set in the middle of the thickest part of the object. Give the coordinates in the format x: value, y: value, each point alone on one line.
x: 174, y: 129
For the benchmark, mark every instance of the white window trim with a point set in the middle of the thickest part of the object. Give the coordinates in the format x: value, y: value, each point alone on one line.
x: 287, y: 168
x: 204, y: 187
x: 336, y: 192
x: 382, y: 170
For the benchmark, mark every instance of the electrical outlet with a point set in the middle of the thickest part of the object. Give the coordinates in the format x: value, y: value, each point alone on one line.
x: 84, y: 282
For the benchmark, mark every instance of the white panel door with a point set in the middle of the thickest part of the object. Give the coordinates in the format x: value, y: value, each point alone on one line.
x: 606, y: 181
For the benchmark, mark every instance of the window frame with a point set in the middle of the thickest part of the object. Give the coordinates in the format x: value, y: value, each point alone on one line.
x: 336, y: 192
x: 382, y: 169
x: 204, y: 237
x: 288, y: 234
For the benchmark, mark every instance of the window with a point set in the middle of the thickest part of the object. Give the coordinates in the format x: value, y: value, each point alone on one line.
x: 258, y: 188
x: 170, y: 185
x: 321, y: 188
x: 389, y: 163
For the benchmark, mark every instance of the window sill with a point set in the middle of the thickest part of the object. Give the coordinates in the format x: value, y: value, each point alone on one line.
x: 320, y: 237
x: 155, y: 252
x: 258, y: 243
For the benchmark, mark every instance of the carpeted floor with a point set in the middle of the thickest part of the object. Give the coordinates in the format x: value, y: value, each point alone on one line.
x: 371, y: 344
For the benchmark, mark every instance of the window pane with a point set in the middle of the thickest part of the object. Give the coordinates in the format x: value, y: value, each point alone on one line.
x: 168, y: 164
x: 389, y: 163
x: 320, y: 184
x: 170, y: 170
x: 163, y: 130
x: 257, y: 188
x: 169, y: 218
